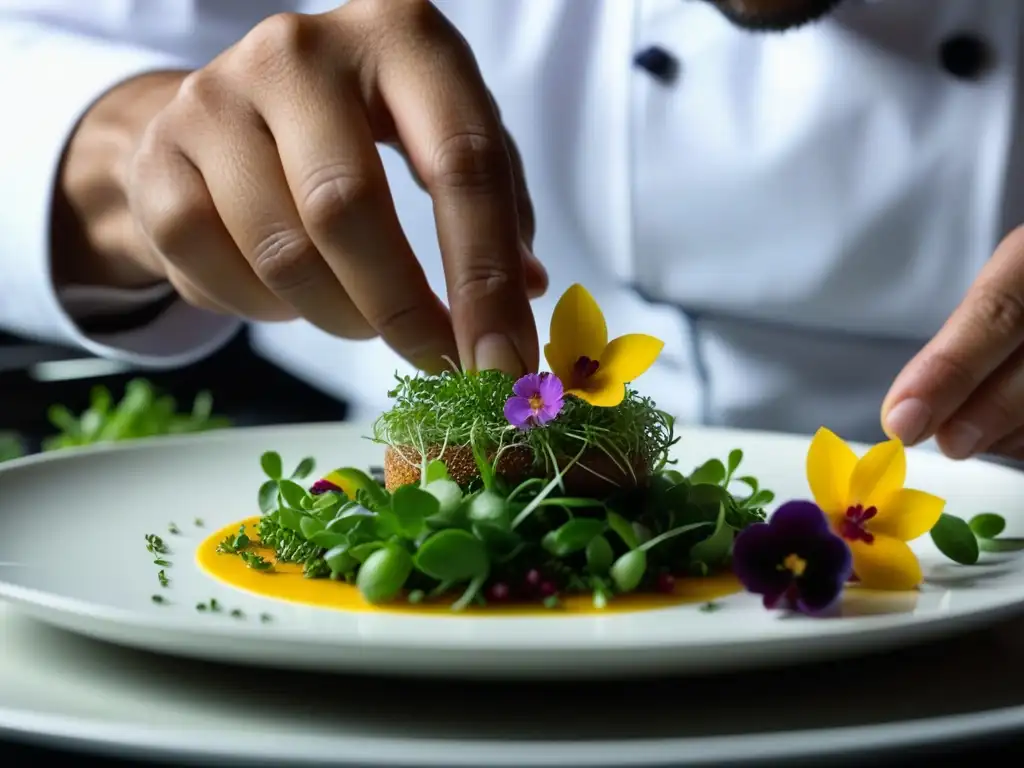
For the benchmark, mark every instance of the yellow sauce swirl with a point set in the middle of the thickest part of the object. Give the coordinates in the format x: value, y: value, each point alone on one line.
x: 286, y: 582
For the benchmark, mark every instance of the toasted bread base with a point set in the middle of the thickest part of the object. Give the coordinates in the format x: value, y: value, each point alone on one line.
x: 595, y: 475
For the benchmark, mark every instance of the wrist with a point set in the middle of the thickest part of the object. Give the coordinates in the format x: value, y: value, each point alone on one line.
x: 93, y: 238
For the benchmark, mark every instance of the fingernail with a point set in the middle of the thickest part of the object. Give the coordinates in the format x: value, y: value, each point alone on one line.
x: 961, y: 439
x: 495, y: 351
x: 908, y: 420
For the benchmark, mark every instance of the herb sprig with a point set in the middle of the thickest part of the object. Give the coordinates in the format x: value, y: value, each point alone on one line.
x: 963, y: 541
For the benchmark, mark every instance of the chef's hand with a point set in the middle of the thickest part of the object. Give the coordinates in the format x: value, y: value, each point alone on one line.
x: 259, y: 190
x: 966, y: 386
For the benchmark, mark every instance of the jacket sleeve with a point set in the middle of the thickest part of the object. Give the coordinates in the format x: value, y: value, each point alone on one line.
x: 49, y: 77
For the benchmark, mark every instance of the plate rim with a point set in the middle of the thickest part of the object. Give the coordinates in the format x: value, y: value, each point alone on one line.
x: 118, y: 740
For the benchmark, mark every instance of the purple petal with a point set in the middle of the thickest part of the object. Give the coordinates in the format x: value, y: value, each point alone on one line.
x: 550, y: 389
x: 519, y: 412
x: 799, y: 519
x: 829, y: 566
x: 323, y: 486
x: 528, y: 386
x: 756, y: 555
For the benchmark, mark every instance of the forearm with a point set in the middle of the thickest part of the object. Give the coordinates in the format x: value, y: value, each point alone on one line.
x: 93, y: 238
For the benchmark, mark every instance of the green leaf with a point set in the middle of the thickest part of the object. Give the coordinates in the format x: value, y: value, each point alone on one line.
x: 599, y: 555
x: 292, y: 493
x: 674, y: 476
x: 453, y: 555
x: 289, y: 518
x: 362, y: 551
x: 573, y: 536
x: 449, y: 497
x: 306, y: 503
x: 328, y: 540
x: 304, y: 468
x: 328, y: 499
x: 436, y: 470
x: 663, y: 537
x: 384, y: 573
x: 412, y: 506
x: 628, y: 571
x: 735, y: 458
x: 268, y: 496
x: 501, y: 541
x: 987, y: 525
x: 623, y: 529
x: 309, y: 526
x: 488, y: 507
x: 711, y: 472
x: 750, y: 482
x: 339, y: 560
x: 272, y: 467
x: 715, y: 548
x: 760, y: 499
x: 955, y: 540
x: 1001, y: 545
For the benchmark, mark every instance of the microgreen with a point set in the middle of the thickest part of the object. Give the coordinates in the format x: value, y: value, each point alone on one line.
x: 158, y: 599
x: 198, y: 522
x: 434, y: 537
x: 162, y: 578
x: 162, y: 563
x: 964, y: 541
x: 456, y: 408
x: 173, y: 529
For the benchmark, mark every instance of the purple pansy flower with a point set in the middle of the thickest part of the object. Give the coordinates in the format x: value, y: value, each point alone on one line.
x: 537, y: 400
x: 794, y: 560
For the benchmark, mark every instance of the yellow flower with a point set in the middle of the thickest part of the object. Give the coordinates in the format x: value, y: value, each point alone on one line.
x: 870, y: 509
x: 579, y: 353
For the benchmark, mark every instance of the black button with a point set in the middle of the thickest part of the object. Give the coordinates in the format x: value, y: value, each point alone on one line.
x: 965, y: 56
x: 659, y: 62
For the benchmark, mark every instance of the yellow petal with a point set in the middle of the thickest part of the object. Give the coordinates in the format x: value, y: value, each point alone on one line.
x: 879, y: 474
x: 626, y: 358
x: 830, y: 464
x: 344, y: 481
x: 578, y: 330
x: 885, y: 563
x: 601, y: 392
x: 907, y: 514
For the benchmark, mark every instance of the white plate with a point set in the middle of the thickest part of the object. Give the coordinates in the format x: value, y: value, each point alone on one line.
x: 65, y: 691
x: 72, y: 528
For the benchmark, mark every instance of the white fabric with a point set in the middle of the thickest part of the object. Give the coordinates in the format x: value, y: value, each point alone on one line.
x: 804, y: 210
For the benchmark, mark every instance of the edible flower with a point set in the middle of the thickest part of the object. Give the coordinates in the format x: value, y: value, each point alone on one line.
x: 323, y: 485
x: 591, y: 367
x: 870, y: 509
x: 794, y: 560
x: 537, y: 400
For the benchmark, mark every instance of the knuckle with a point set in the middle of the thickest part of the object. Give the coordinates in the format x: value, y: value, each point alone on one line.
x: 285, y: 260
x: 1002, y: 410
x: 200, y: 93
x: 998, y: 312
x: 391, y: 320
x: 390, y: 11
x: 469, y: 160
x: 176, y: 220
x: 281, y: 36
x: 480, y: 280
x: 333, y: 193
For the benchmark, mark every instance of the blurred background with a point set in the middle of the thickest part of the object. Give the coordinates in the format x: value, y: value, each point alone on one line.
x: 41, y: 384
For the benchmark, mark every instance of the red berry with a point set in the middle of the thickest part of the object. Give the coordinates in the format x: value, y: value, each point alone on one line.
x: 533, y: 577
x: 666, y: 583
x: 547, y: 589
x: 498, y: 592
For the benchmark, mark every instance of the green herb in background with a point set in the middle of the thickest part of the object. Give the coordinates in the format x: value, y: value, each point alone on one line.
x: 142, y: 412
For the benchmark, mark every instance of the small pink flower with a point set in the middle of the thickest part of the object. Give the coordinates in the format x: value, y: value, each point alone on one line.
x: 537, y: 400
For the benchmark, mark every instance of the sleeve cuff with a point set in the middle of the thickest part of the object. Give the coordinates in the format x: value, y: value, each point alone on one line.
x: 61, y: 75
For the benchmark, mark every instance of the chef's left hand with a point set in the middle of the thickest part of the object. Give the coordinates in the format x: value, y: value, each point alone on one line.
x: 966, y: 387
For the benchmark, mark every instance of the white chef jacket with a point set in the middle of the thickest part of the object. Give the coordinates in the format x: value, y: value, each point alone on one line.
x: 794, y: 214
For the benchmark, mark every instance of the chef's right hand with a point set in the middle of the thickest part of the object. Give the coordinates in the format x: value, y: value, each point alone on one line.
x: 259, y: 190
